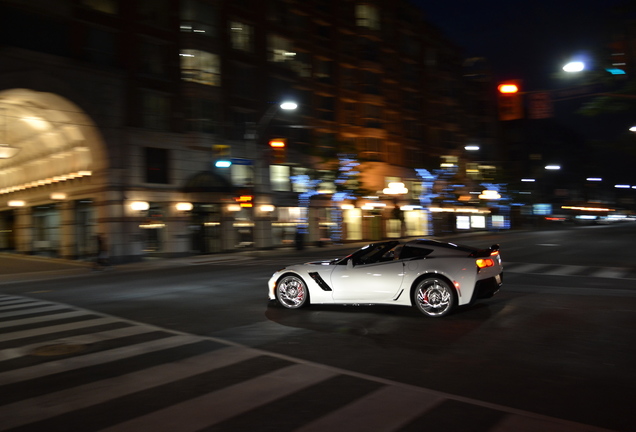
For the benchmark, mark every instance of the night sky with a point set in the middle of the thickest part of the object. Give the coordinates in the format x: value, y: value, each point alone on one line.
x: 524, y: 39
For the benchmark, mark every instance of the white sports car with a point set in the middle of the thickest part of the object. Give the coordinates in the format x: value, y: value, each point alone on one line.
x: 431, y: 275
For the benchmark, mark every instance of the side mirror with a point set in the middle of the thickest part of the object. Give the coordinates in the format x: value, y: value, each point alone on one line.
x: 349, y: 264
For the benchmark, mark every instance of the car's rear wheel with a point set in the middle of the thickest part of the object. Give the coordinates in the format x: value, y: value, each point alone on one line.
x: 434, y: 297
x: 291, y: 292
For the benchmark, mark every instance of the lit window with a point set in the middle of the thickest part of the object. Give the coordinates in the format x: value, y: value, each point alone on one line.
x: 280, y: 178
x: 241, y: 36
x: 367, y: 16
x: 280, y: 50
x: 200, y: 67
x: 198, y: 17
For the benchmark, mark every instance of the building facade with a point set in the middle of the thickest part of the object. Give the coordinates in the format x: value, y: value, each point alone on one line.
x: 150, y: 120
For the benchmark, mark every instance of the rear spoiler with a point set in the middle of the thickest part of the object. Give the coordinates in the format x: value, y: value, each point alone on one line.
x: 482, y: 253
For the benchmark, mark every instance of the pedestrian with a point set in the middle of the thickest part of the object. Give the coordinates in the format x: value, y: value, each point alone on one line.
x: 101, y: 260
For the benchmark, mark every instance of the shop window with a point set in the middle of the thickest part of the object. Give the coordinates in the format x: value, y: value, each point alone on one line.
x: 200, y: 67
x: 280, y: 178
x: 157, y: 165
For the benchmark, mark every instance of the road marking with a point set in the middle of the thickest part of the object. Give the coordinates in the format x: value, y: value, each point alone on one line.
x: 568, y: 270
x: 616, y: 273
x: 94, y: 359
x: 38, y: 319
x: 212, y: 408
x: 31, y: 312
x: 386, y: 409
x: 57, y: 328
x: 21, y: 305
x: 85, y: 339
x: 65, y: 401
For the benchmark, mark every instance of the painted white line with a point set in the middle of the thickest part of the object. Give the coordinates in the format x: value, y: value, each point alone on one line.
x: 387, y: 409
x: 66, y: 401
x: 93, y: 359
x: 212, y: 408
x: 85, y: 339
x: 58, y: 328
x: 33, y: 311
x: 39, y: 319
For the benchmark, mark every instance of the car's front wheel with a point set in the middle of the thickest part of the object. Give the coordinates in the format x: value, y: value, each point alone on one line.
x: 434, y: 297
x: 291, y: 292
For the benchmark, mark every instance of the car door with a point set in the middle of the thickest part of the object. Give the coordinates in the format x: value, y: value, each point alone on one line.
x: 367, y: 283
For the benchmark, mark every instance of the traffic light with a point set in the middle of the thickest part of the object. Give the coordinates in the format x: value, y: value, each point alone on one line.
x: 279, y: 150
x: 510, y: 100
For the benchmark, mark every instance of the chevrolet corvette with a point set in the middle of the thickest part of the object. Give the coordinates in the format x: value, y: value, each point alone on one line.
x: 434, y: 276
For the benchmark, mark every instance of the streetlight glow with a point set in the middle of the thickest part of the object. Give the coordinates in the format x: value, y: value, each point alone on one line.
x: 575, y: 66
x: 553, y: 167
x: 289, y: 106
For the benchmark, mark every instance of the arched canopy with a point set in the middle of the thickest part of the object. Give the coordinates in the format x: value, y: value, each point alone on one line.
x: 44, y: 138
x: 207, y: 181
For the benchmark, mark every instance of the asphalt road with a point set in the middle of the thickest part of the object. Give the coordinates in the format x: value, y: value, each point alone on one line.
x: 553, y: 350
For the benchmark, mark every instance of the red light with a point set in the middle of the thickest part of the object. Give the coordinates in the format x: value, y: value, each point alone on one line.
x: 277, y: 143
x: 508, y: 88
x: 485, y: 262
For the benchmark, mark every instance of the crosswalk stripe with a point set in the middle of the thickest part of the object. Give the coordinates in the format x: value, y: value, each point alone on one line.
x: 11, y: 353
x: 212, y: 408
x: 525, y: 268
x: 45, y: 318
x: 57, y: 328
x: 567, y: 270
x: 30, y: 311
x: 14, y: 301
x: 23, y: 304
x: 387, y: 409
x: 610, y: 273
x: 564, y: 270
x: 94, y: 359
x: 87, y: 395
x: 519, y: 423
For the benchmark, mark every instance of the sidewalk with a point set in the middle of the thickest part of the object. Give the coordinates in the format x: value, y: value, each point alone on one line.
x: 28, y: 268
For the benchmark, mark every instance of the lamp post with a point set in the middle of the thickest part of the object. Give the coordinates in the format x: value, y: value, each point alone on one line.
x: 254, y: 135
x: 262, y: 224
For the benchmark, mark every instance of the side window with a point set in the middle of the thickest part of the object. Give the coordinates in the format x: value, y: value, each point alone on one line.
x: 414, y: 252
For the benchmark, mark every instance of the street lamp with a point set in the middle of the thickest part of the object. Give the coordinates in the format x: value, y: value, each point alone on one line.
x: 573, y: 67
x: 261, y: 176
x: 254, y: 137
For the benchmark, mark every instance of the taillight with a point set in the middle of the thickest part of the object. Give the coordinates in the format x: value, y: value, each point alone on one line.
x: 484, y: 262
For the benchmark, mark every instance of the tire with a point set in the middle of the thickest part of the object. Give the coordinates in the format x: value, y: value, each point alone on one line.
x: 291, y: 292
x: 434, y: 297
